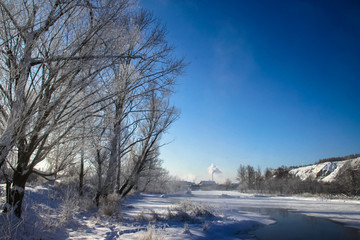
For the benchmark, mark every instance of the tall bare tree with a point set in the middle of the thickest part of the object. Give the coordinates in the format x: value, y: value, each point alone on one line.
x: 50, y: 52
x: 158, y: 119
x: 154, y: 70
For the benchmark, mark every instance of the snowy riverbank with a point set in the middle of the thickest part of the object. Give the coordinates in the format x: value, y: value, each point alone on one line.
x: 196, y: 215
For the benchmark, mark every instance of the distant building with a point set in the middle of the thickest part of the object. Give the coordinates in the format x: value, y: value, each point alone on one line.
x: 187, y: 183
x: 207, y: 183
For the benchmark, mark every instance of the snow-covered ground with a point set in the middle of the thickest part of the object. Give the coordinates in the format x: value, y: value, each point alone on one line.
x: 195, y: 215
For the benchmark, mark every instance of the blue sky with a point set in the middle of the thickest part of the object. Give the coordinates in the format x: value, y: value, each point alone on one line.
x: 269, y: 83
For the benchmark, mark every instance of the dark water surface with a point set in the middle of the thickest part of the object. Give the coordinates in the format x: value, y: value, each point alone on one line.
x: 292, y: 225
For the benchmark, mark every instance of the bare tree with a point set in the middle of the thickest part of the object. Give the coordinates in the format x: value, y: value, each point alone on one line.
x: 158, y: 119
x: 50, y: 52
x: 241, y: 176
x: 152, y: 175
x: 65, y: 62
x: 250, y: 180
x: 228, y: 184
x: 134, y: 79
x: 258, y: 180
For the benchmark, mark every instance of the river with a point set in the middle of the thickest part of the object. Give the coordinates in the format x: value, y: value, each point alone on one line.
x: 296, y: 226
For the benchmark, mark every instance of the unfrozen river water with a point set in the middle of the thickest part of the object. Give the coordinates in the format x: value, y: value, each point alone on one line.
x: 296, y: 226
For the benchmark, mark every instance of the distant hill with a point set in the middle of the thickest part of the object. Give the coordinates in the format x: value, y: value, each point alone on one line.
x: 336, y: 159
x: 328, y: 170
x: 325, y: 177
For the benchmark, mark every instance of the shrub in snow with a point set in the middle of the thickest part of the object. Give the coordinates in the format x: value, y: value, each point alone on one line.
x: 188, y: 192
x: 86, y: 203
x: 186, y: 229
x: 307, y: 195
x: 69, y: 205
x: 169, y: 215
x: 151, y: 216
x: 185, y: 206
x: 194, y: 209
x: 200, y: 211
x: 151, y: 234
x: 110, y: 205
x: 181, y: 216
x: 205, y: 226
x: 47, y: 220
x: 141, y: 217
x: 10, y: 226
x: 154, y: 216
x: 187, y: 211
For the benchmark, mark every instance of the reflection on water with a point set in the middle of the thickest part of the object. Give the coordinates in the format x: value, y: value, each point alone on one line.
x: 290, y: 225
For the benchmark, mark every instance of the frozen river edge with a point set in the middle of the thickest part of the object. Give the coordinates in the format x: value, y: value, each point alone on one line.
x: 203, y: 215
x: 226, y: 204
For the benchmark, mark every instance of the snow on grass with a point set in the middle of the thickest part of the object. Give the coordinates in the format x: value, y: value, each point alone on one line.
x: 199, y: 215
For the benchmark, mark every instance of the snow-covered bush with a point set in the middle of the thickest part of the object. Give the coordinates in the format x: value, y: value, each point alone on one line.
x: 47, y: 219
x: 186, y: 229
x: 205, y: 226
x: 150, y: 216
x: 110, y: 205
x: 151, y: 234
x: 86, y: 203
x: 10, y: 226
x: 141, y: 217
x: 194, y: 209
x: 69, y: 205
x: 154, y: 216
x: 187, y: 211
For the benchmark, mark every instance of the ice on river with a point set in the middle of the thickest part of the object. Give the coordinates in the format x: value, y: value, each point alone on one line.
x: 220, y: 215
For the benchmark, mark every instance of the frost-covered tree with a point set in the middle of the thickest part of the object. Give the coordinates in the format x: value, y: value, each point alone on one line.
x: 258, y: 180
x: 157, y: 119
x: 51, y: 53
x: 248, y: 178
x: 151, y: 75
x: 228, y: 184
x: 241, y: 176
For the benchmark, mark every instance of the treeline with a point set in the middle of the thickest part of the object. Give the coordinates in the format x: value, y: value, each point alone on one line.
x: 280, y: 181
x: 335, y: 159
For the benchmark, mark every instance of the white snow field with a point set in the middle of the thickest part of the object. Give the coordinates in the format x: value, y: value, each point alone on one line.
x: 195, y: 215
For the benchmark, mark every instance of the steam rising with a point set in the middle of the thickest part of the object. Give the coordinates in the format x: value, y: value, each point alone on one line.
x: 213, y: 170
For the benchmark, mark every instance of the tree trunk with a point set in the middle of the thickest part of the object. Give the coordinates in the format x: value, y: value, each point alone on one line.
x: 118, y: 174
x: 82, y: 156
x: 122, y: 189
x: 3, y: 154
x: 127, y: 190
x: 112, y: 177
x: 8, y: 189
x: 81, y: 175
x: 99, y: 174
x: 109, y: 184
x: 6, y: 144
x: 126, y: 187
x: 17, y: 191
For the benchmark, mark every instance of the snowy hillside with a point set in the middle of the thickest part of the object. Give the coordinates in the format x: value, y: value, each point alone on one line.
x: 325, y: 172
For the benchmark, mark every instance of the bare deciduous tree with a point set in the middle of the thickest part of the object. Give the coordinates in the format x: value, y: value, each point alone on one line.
x: 134, y: 79
x: 51, y: 51
x: 157, y: 120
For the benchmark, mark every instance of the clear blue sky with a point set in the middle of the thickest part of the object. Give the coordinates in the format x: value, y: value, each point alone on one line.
x: 269, y: 83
